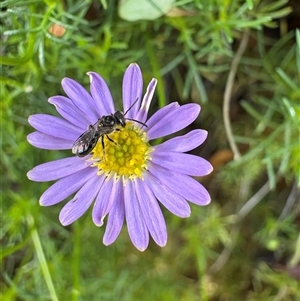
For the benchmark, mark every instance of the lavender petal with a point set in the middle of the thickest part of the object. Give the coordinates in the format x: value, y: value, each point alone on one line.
x: 137, y: 229
x: 56, y: 169
x: 142, y: 113
x: 183, y: 143
x: 54, y: 126
x: 184, y: 185
x: 171, y: 200
x: 132, y: 89
x: 81, y: 202
x: 66, y: 108
x: 116, y: 216
x: 101, y: 94
x: 161, y: 113
x: 66, y: 186
x: 175, y: 121
x: 81, y: 98
x: 45, y: 141
x: 152, y: 214
x: 104, y: 201
x: 183, y: 163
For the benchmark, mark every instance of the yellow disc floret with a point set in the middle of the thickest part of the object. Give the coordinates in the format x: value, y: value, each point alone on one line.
x: 125, y: 152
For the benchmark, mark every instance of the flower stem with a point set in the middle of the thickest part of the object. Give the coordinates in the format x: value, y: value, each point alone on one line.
x: 43, y: 263
x: 228, y: 92
x: 76, y: 261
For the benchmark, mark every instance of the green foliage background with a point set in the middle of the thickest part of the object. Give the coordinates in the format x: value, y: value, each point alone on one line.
x: 245, y: 245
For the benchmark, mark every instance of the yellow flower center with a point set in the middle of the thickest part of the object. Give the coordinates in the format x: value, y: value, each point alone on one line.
x: 125, y: 153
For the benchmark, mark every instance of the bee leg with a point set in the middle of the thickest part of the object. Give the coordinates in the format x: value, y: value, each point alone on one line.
x: 111, y: 140
x: 103, y: 147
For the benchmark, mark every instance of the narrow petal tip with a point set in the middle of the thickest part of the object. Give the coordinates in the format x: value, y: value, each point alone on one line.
x: 66, y: 218
x: 28, y: 174
x: 91, y: 75
x: 207, y: 201
x: 64, y: 81
x: 149, y: 95
x: 134, y: 65
x: 205, y: 198
x: 99, y: 223
x: 42, y: 202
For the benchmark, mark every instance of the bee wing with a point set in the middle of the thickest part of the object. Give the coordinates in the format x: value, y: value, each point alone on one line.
x: 85, y: 142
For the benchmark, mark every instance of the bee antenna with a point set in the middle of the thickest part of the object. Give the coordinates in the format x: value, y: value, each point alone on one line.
x: 142, y: 123
x: 131, y: 107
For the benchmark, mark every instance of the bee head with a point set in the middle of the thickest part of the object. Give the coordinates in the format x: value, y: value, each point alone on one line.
x: 120, y: 119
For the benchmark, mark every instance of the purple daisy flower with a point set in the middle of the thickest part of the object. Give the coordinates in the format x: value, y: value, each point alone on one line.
x: 124, y: 176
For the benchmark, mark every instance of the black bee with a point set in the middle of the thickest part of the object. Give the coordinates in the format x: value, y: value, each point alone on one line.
x: 105, y: 125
